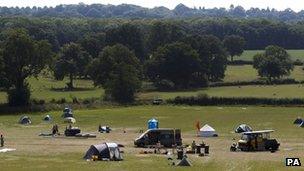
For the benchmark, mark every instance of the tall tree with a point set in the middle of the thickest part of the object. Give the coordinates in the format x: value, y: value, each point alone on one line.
x: 234, y: 45
x: 118, y: 70
x: 72, y: 62
x: 22, y: 57
x: 176, y: 62
x: 275, y: 62
x: 211, y: 53
x: 128, y: 35
x: 93, y: 44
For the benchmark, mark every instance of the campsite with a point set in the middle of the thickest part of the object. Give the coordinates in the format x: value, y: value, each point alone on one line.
x: 157, y: 85
x: 67, y: 153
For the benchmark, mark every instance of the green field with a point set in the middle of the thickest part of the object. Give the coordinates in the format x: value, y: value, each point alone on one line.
x: 236, y: 73
x: 47, y: 88
x: 37, y: 153
x: 248, y: 54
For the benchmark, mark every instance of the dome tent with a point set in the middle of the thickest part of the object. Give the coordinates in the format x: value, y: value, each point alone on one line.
x: 104, y: 151
x: 153, y: 124
x: 70, y: 120
x: 243, y: 128
x: 298, y: 121
x: 25, y: 120
x: 47, y: 118
x: 67, y: 112
x: 207, y: 131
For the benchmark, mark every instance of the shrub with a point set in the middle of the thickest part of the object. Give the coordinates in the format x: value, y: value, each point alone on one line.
x: 205, y: 100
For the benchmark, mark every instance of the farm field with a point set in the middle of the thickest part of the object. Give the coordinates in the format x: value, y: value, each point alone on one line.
x: 35, y: 153
x: 236, y: 73
x: 47, y: 88
x: 248, y: 54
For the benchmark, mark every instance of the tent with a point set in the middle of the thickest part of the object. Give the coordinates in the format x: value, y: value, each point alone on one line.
x: 243, y: 128
x: 207, y: 131
x: 67, y: 112
x: 104, y: 151
x: 47, y: 118
x: 298, y: 121
x: 69, y: 120
x: 25, y: 120
x: 153, y: 124
x: 302, y: 124
x: 184, y: 162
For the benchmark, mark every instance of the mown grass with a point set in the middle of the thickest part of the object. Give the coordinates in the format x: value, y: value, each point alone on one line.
x: 248, y: 54
x: 37, y: 153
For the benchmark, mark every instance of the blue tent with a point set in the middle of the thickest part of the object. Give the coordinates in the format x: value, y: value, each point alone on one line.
x: 153, y: 124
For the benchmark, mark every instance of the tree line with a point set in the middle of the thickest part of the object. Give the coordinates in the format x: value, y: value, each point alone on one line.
x: 120, y: 57
x: 132, y: 11
x: 258, y: 33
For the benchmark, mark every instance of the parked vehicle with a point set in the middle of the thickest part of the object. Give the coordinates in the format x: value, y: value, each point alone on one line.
x: 256, y: 141
x: 166, y: 136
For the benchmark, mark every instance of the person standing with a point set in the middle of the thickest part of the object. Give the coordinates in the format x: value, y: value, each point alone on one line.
x: 2, y: 140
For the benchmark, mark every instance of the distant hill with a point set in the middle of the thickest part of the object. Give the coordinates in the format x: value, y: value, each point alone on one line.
x: 133, y: 11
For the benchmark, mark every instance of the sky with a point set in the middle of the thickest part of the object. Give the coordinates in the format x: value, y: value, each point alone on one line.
x: 296, y: 5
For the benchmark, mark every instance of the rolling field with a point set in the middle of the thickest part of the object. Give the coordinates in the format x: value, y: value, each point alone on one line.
x: 36, y: 153
x: 47, y: 88
x: 248, y: 54
x: 236, y: 73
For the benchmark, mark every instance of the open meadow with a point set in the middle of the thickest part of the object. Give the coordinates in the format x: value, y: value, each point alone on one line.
x: 50, y: 153
x: 294, y: 54
x: 49, y: 89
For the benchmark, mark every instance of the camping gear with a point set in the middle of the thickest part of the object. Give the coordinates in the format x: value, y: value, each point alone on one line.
x: 103, y: 129
x: 184, y: 162
x: 69, y: 120
x: 67, y: 112
x: 207, y: 131
x: 72, y: 131
x: 104, y: 151
x: 153, y: 124
x: 302, y: 124
x: 47, y: 118
x: 7, y: 150
x: 86, y: 135
x: 243, y: 128
x: 180, y: 154
x: 25, y: 120
x: 298, y: 121
x: 206, y: 149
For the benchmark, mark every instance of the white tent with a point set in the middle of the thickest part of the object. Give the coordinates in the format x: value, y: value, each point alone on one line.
x: 207, y: 131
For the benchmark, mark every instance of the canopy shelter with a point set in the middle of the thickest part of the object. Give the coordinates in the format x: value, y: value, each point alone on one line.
x: 243, y: 128
x: 104, y: 151
x: 25, y: 120
x: 207, y: 131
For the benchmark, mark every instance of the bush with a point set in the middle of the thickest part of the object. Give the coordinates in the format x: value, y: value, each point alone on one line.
x: 205, y: 100
x: 256, y: 82
x: 19, y: 97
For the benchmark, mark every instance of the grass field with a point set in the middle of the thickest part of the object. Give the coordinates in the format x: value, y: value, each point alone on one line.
x: 248, y: 73
x: 47, y: 88
x: 37, y: 153
x: 248, y: 54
